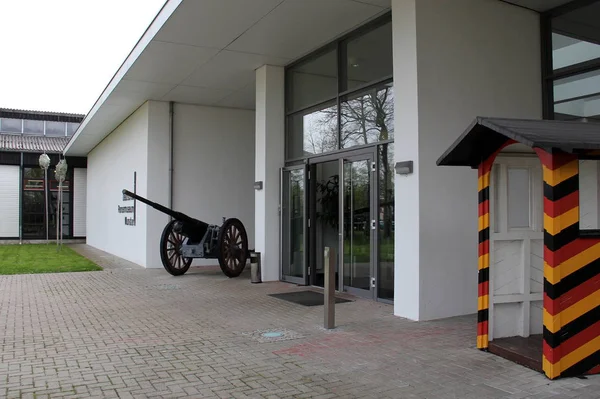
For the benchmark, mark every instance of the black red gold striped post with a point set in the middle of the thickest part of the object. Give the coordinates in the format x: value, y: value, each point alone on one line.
x: 483, y: 300
x: 571, y: 275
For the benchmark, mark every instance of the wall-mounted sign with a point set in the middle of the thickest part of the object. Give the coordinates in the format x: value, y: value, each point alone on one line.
x: 33, y: 185
x: 129, y: 209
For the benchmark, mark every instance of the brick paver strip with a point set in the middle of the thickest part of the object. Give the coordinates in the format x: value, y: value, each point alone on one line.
x: 127, y: 332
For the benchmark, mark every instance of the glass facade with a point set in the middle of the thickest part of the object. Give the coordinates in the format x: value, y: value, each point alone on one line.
x: 340, y: 123
x: 342, y: 96
x: 38, y: 127
x: 34, y: 205
x: 572, y: 70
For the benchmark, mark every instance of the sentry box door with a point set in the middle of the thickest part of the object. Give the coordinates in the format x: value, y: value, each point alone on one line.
x: 516, y: 247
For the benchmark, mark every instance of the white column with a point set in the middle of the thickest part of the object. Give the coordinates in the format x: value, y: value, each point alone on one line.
x: 270, y: 123
x: 406, y: 126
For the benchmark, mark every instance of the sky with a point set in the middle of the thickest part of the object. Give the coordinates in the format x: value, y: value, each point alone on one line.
x: 59, y: 55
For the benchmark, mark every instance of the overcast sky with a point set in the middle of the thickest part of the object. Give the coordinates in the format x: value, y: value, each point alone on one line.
x: 58, y: 55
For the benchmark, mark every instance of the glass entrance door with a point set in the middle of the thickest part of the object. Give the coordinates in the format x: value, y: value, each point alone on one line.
x: 293, y: 226
x: 359, y: 225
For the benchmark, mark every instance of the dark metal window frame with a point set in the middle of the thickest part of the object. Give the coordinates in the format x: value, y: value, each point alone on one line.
x: 549, y: 75
x: 339, y: 45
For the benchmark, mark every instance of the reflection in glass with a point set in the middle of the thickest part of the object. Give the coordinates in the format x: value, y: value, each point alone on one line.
x: 313, y: 132
x: 326, y: 224
x: 385, y: 274
x: 578, y: 96
x: 55, y: 128
x: 312, y: 81
x: 369, y: 57
x: 72, y: 128
x: 293, y: 223
x: 34, y: 127
x: 368, y: 117
x: 11, y: 125
x: 357, y: 224
x: 575, y: 36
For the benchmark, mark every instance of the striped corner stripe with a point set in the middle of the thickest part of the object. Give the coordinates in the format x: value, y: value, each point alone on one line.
x: 571, y: 333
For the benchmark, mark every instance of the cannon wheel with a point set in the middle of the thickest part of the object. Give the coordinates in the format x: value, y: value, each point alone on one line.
x: 233, y: 247
x: 170, y: 242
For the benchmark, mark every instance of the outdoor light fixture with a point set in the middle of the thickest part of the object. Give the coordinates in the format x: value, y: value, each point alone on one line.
x: 404, y: 168
x: 44, y: 162
x: 258, y: 185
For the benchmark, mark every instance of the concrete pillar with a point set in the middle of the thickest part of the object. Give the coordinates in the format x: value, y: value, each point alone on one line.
x: 270, y: 124
x: 406, y: 124
x: 453, y: 61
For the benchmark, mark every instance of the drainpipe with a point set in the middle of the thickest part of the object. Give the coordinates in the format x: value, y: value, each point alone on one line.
x: 171, y: 118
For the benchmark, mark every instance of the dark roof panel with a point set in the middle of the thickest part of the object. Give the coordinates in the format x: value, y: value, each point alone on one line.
x: 25, y: 143
x: 486, y: 135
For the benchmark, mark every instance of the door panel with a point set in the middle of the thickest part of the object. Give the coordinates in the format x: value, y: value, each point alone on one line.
x: 516, y: 239
x: 358, y: 227
x: 293, y: 217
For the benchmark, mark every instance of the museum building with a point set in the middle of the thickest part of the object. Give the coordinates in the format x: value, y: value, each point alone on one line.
x: 24, y: 191
x: 320, y: 125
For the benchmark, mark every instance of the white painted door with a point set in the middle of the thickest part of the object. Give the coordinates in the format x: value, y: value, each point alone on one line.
x: 516, y: 247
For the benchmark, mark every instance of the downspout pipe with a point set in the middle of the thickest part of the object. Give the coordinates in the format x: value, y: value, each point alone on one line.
x: 171, y: 151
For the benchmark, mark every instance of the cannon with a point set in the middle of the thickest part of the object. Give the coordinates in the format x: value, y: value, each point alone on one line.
x: 185, y: 238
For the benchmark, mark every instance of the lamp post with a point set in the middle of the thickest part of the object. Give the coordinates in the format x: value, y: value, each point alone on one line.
x: 44, y: 162
x: 61, y: 174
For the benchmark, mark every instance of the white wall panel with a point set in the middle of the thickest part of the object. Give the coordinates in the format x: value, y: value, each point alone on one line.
x: 79, y: 201
x: 454, y: 60
x: 110, y: 169
x: 9, y: 201
x: 214, y: 165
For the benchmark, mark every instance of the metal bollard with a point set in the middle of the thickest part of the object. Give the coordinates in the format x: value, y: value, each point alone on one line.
x: 255, y: 268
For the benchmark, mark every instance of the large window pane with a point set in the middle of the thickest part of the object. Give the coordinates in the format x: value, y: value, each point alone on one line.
x: 312, y: 81
x: 368, y: 117
x: 55, y: 128
x: 11, y: 125
x: 313, y: 132
x: 386, y: 222
x: 369, y: 57
x: 575, y: 36
x: 72, y: 128
x: 578, y: 96
x: 33, y: 127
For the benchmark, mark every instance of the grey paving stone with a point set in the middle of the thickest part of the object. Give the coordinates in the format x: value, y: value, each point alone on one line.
x: 137, y: 333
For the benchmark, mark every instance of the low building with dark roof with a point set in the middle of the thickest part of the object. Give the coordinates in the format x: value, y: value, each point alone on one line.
x: 24, y: 190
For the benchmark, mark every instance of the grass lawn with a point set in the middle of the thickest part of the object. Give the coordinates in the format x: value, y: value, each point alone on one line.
x: 42, y: 258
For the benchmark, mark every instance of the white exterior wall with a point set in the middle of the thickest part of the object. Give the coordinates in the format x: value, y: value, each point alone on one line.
x: 157, y: 178
x: 79, y: 201
x: 110, y: 169
x: 214, y: 165
x: 453, y: 61
x: 9, y: 201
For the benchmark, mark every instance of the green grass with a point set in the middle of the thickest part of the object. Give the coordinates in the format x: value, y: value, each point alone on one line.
x: 42, y: 258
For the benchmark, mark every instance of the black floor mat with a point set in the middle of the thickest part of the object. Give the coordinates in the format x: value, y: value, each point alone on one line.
x: 306, y: 298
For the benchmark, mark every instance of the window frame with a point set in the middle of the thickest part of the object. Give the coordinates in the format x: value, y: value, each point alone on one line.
x: 339, y: 45
x: 549, y: 75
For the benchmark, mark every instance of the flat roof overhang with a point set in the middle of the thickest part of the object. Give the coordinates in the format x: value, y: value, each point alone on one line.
x: 206, y: 53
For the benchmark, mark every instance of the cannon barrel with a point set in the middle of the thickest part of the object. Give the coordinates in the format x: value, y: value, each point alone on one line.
x: 190, y: 227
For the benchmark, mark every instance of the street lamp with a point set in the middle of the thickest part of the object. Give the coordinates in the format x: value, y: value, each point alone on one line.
x: 61, y: 174
x: 44, y: 164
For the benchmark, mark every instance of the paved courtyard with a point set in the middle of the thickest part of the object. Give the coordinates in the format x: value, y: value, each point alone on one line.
x: 127, y: 332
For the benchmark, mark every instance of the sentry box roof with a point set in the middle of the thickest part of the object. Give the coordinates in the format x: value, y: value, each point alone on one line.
x: 486, y: 135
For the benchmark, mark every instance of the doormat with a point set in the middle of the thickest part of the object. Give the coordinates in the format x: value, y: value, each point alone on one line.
x: 306, y: 298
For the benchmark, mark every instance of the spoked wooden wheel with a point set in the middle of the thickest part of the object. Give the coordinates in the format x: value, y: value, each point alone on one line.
x: 170, y: 245
x: 233, y: 247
